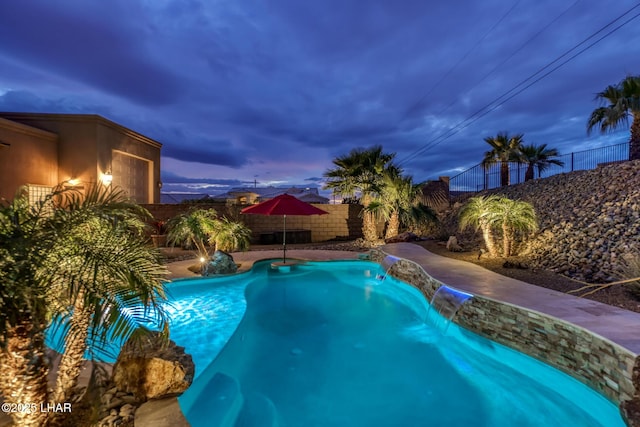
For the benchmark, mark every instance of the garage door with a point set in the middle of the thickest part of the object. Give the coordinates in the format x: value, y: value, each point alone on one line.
x: 132, y: 175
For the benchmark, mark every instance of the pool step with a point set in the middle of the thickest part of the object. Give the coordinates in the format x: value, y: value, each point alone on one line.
x: 220, y: 406
x: 258, y: 411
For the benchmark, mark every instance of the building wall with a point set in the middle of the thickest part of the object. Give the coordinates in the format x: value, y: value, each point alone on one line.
x: 30, y: 157
x: 116, y: 141
x: 87, y: 144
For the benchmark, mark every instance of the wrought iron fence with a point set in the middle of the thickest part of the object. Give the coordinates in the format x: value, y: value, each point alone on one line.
x: 478, y: 178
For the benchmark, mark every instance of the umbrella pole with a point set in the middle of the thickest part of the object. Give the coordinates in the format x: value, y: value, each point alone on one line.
x: 284, y: 241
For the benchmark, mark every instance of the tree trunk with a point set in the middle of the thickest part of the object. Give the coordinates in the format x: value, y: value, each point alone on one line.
x: 24, y: 369
x: 487, y: 235
x: 73, y: 356
x: 528, y: 175
x: 634, y: 142
x: 506, y: 240
x: 393, y: 226
x: 369, y: 229
x: 504, y: 173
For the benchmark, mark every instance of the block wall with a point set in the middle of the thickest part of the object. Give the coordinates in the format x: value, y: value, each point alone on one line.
x: 342, y: 222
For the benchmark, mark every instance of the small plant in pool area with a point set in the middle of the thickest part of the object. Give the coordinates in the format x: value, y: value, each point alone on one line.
x: 230, y: 236
x: 499, y: 217
x: 204, y: 231
x: 159, y: 227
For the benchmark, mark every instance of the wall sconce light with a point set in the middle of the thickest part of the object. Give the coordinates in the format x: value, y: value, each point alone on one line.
x: 73, y: 182
x: 107, y: 178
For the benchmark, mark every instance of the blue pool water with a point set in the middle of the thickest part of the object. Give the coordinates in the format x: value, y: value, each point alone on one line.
x: 329, y: 344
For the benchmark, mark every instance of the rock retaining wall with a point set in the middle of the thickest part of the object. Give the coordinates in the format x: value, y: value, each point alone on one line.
x: 588, y: 219
x: 593, y: 360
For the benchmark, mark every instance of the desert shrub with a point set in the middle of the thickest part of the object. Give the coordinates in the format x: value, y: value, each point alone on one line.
x: 630, y: 269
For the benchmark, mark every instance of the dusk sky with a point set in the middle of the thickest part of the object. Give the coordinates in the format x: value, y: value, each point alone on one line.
x: 273, y: 90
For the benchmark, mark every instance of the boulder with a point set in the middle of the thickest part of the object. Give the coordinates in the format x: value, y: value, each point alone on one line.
x: 452, y: 244
x: 220, y: 263
x: 151, y: 368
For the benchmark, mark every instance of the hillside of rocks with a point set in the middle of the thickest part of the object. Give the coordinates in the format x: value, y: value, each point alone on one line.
x: 588, y: 220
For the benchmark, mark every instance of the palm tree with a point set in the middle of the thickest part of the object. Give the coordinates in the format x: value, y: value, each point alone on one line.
x: 24, y: 241
x: 401, y: 203
x: 515, y: 217
x: 230, y: 236
x: 360, y: 173
x: 105, y: 278
x: 480, y: 213
x: 504, y: 149
x: 490, y: 213
x: 193, y: 228
x: 619, y: 102
x: 91, y: 269
x: 538, y: 156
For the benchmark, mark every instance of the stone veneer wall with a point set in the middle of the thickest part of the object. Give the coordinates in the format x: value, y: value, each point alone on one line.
x: 602, y: 365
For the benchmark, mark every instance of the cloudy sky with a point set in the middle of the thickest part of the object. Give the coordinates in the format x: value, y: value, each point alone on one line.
x: 273, y: 90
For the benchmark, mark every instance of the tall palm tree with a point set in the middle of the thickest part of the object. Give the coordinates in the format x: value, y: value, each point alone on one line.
x: 360, y: 173
x: 504, y: 149
x: 538, y: 157
x: 92, y: 270
x: 620, y: 102
x: 401, y: 202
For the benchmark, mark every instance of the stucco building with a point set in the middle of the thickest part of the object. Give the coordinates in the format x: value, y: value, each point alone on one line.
x: 43, y: 150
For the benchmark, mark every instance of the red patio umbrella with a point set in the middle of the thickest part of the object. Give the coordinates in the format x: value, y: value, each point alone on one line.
x: 284, y: 204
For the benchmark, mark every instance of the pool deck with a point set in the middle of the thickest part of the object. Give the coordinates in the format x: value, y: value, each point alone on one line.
x: 617, y: 325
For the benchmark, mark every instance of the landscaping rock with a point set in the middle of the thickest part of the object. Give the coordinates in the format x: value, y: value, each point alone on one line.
x: 587, y: 219
x: 153, y: 369
x: 452, y: 244
x: 221, y: 263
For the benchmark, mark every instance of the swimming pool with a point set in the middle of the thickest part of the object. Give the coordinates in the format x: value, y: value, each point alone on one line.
x: 329, y: 344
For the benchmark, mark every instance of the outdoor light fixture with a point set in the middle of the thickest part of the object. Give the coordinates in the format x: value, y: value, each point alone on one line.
x: 107, y: 178
x: 202, y: 259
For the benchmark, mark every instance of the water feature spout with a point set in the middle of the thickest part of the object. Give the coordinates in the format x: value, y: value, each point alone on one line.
x: 386, y: 264
x: 444, y: 305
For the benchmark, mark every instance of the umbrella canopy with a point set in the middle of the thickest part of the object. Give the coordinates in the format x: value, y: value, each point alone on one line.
x: 284, y: 204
